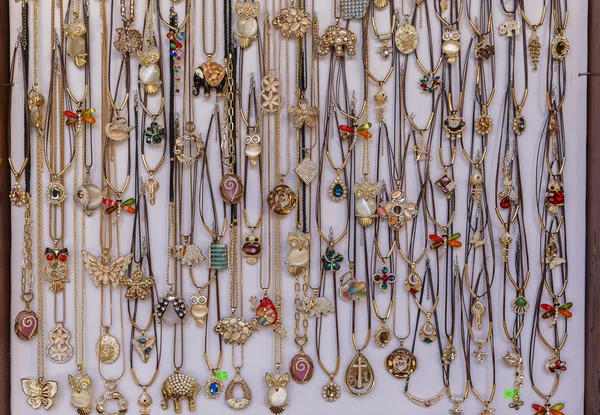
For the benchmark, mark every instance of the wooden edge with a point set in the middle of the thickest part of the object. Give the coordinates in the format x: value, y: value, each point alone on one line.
x: 5, y: 236
x: 592, y: 295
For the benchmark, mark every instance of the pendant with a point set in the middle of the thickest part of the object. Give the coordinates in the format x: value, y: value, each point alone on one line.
x: 213, y: 387
x: 338, y: 190
x: 515, y: 360
x: 448, y: 355
x: 520, y: 305
x: 195, y: 143
x: 451, y: 45
x: 56, y: 192
x: 40, y: 393
x: 428, y: 334
x: 488, y: 411
x: 145, y: 401
x: 548, y: 409
x: 478, y: 310
x: 429, y: 83
x: 360, y: 378
x: 188, y: 255
x: 138, y: 287
x: 89, y: 197
x: 331, y: 391
x: 302, y: 368
x: 413, y: 283
x: 365, y: 207
x: 177, y: 387
x: 151, y: 186
x: 560, y: 46
x: 106, y: 270
x: 144, y: 346
x: 266, y: 312
x: 282, y: 200
x: 479, y: 354
x: 247, y: 26
x: 511, y: 27
x: 154, y: 133
x: 384, y: 278
x: 277, y: 391
x: 307, y: 170
x: 108, y: 349
x: 81, y: 399
x: 354, y: 9
x: 331, y: 260
x: 483, y: 51
x: 534, y: 46
x: 218, y: 256
x: 454, y: 125
x: 299, y: 253
x: 232, y: 188
x: 59, y: 350
x: 555, y: 365
x: 555, y: 196
x: 398, y: 210
x: 421, y: 150
x: 17, y: 195
x: 270, y: 96
x: 316, y: 306
x: 236, y: 330
x: 380, y: 3
x: 401, y: 363
x: 446, y: 185
x: 484, y: 123
x: 35, y: 101
x: 304, y: 115
x: 351, y: 289
x: 406, y: 38
x: 128, y: 40
x: 253, y: 149
x: 243, y: 402
x: 75, y: 34
x: 55, y: 270
x: 342, y: 41
x: 26, y: 324
x: 383, y: 335
x: 118, y: 130
x: 292, y: 22
x: 149, y: 70
x: 207, y: 76
x: 176, y: 38
x: 171, y: 308
x: 199, y: 309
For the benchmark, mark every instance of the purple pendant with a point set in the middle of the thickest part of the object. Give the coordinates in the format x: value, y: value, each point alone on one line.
x: 26, y: 325
x: 231, y: 188
x: 302, y: 368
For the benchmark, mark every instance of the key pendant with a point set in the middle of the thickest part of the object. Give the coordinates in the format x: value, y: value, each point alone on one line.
x: 151, y: 186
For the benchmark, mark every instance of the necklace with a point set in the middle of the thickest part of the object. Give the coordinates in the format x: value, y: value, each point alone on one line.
x: 534, y: 45
x: 450, y: 36
x: 210, y: 74
x: 76, y: 32
x: 386, y: 50
x: 129, y: 40
x: 149, y: 73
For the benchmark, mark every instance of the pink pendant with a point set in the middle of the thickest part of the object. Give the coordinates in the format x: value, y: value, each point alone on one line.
x: 301, y: 368
x: 26, y: 325
x: 231, y: 188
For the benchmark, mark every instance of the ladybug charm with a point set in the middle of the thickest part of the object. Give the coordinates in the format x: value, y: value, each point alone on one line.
x: 266, y: 312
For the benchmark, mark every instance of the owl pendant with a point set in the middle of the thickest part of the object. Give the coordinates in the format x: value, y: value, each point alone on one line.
x: 299, y: 253
x: 247, y: 26
x: 277, y: 394
x: 365, y: 206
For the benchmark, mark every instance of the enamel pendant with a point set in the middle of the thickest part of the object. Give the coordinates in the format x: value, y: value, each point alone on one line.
x: 247, y: 26
x: 178, y: 387
x: 454, y: 125
x: 218, y: 256
x: 40, y: 393
x: 351, y: 289
x: 266, y: 312
x: 171, y: 309
x: 144, y: 346
x: 59, y: 350
x: 282, y: 200
x: 207, y: 76
x: 446, y: 185
x: 277, y: 391
x: 199, y: 309
x: 302, y: 368
x: 213, y: 387
x: 299, y: 253
x: 241, y: 403
x: 55, y: 270
x: 401, y: 363
x: 360, y: 378
x: 232, y: 188
x: 81, y: 399
x: 365, y: 206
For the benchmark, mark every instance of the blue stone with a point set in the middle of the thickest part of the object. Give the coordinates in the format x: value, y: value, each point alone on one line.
x: 148, y: 350
x: 142, y: 341
x: 391, y: 278
x: 384, y: 270
x: 214, y: 388
x: 384, y: 285
x: 352, y: 290
x: 427, y: 340
x: 338, y: 190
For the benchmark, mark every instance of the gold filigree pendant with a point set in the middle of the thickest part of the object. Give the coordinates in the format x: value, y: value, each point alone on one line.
x: 360, y: 377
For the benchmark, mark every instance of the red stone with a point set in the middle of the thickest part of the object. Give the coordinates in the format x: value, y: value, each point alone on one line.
x: 555, y: 198
x: 505, y: 202
x: 49, y: 257
x: 62, y: 258
x: 301, y: 368
x: 26, y: 325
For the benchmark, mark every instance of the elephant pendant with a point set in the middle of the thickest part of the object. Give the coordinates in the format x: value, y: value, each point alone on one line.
x: 177, y: 387
x: 207, y: 76
x: 341, y: 40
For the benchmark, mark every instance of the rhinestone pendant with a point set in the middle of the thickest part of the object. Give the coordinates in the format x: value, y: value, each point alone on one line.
x: 113, y: 395
x: 354, y: 8
x: 178, y: 387
x: 17, y: 195
x: 338, y: 190
x: 401, y: 363
x: 243, y: 402
x: 55, y: 193
x: 451, y: 45
x: 266, y: 312
x: 331, y: 391
x: 213, y: 387
x: 307, y: 170
x: 277, y: 391
x: 108, y: 349
x: 80, y: 394
x: 383, y: 335
x: 59, y: 350
x: 144, y: 346
x: 445, y: 185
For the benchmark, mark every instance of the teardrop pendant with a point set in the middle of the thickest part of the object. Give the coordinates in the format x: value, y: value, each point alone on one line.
x: 360, y: 378
x: 243, y: 402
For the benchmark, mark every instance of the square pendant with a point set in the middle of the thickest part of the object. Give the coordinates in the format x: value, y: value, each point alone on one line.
x: 446, y: 185
x: 307, y: 170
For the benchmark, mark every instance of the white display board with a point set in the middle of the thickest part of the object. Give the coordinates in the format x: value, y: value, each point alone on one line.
x: 387, y: 396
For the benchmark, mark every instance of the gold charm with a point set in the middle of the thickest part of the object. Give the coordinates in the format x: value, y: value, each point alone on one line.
x: 138, y: 286
x: 270, y: 96
x: 342, y: 41
x: 199, y: 308
x: 401, y: 363
x: 428, y: 334
x: 534, y: 46
x: 479, y: 354
x: 247, y: 25
x: 406, y: 38
x: 299, y: 253
x: 145, y: 401
x: 59, y: 350
x: 478, y: 310
x: 40, y: 393
x: 484, y: 123
x: 17, y: 195
x: 511, y: 27
x: 383, y: 335
x: 195, y: 142
x: 366, y: 202
x: 104, y: 269
x: 331, y: 391
x: 75, y: 34
x: 277, y: 391
x: 188, y: 254
x: 236, y: 330
x: 243, y: 402
x: 454, y: 125
x: 177, y: 387
x: 282, y: 200
x: 151, y: 187
x: 213, y: 387
x: 113, y: 395
x: 128, y: 40
x: 55, y: 271
x: 380, y: 3
x: 451, y: 45
x: 360, y: 377
x: 81, y: 399
x: 307, y: 170
x: 149, y: 71
x: 292, y: 22
x: 108, y: 349
x: 144, y: 346
x: 560, y: 46
x: 448, y: 355
x: 304, y: 115
x: 253, y: 149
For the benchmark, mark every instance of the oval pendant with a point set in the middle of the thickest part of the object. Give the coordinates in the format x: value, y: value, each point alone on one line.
x: 360, y: 378
x: 26, y: 325
x: 383, y: 335
x: 17, y: 195
x: 213, y: 387
x: 56, y: 193
x: 282, y: 200
x: 232, y: 188
x: 406, y: 38
x: 108, y: 349
x: 401, y: 363
x: 243, y: 402
x: 302, y: 368
x: 428, y: 333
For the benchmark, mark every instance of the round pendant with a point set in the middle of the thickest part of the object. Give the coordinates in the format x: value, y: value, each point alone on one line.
x: 519, y: 124
x: 149, y: 74
x: 560, y: 47
x: 238, y: 382
x: 111, y: 395
x: 75, y: 46
x: 360, y: 378
x: 302, y: 368
x: 266, y: 312
x: 232, y: 188
x: 55, y: 193
x: 88, y: 197
x: 196, y: 144
x: 108, y: 349
x: 401, y: 363
x: 17, y: 195
x: 484, y: 124
x: 406, y: 38
x: 383, y: 335
x: 282, y: 200
x: 331, y: 391
x: 26, y: 325
x: 213, y: 387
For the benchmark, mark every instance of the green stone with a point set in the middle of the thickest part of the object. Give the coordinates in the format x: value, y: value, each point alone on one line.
x: 521, y: 301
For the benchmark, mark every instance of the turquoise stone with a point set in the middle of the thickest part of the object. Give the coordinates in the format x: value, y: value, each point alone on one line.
x: 427, y: 340
x: 338, y: 190
x: 142, y: 341
x: 218, y: 257
x: 147, y: 350
x: 352, y: 290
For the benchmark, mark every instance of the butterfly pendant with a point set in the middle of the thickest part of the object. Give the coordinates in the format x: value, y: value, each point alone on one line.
x: 104, y: 269
x: 40, y: 393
